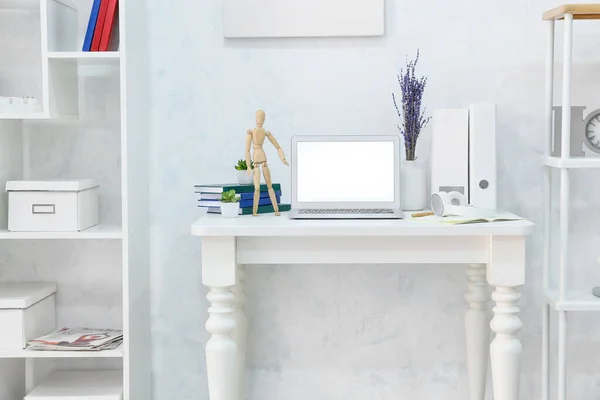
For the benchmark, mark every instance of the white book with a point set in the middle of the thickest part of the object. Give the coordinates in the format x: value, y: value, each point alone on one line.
x: 209, y: 203
x: 210, y: 196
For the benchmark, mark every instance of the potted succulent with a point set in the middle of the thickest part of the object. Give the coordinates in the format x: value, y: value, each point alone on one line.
x: 413, y: 179
x: 242, y: 172
x: 230, y: 204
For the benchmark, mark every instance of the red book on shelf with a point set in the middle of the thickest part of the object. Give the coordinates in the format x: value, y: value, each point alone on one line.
x: 109, y: 24
x: 99, y: 25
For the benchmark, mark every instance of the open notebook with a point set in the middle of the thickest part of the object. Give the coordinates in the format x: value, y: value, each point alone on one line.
x: 456, y: 220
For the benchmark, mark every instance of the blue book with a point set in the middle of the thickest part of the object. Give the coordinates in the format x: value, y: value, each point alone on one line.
x: 89, y: 34
x: 265, y: 201
x: 244, y: 196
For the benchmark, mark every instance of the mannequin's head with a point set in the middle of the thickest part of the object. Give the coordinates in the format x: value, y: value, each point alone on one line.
x: 260, y: 118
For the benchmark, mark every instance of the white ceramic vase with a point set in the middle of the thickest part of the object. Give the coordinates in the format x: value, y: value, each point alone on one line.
x: 243, y: 177
x: 230, y: 210
x: 413, y: 187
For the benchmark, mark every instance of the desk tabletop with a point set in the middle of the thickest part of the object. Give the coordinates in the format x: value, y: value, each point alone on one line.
x: 270, y: 225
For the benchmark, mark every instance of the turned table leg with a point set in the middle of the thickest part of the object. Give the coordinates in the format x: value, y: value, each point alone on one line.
x: 221, y: 350
x: 477, y: 320
x: 240, y: 331
x: 226, y: 324
x: 506, y: 273
x: 506, y: 348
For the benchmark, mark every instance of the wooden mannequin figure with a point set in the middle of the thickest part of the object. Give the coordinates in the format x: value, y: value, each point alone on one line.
x: 257, y: 137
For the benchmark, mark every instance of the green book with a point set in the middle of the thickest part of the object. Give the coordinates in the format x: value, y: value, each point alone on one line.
x: 229, y: 186
x: 248, y: 210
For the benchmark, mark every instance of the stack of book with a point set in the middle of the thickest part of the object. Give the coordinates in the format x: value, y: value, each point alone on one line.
x: 209, y: 196
x: 102, y: 33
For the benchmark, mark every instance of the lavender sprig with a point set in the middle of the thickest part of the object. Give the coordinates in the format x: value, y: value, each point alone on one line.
x: 412, y: 119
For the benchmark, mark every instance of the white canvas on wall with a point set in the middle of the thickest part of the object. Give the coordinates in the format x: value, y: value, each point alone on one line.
x: 302, y: 18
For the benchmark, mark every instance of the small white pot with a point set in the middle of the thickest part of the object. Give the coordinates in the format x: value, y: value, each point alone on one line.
x: 243, y: 177
x: 230, y: 210
x: 413, y: 187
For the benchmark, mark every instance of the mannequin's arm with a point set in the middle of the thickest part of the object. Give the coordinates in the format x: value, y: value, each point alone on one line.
x: 278, y: 147
x: 248, y: 145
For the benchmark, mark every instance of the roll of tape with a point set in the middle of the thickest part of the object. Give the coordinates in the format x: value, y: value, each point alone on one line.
x: 444, y: 204
x: 458, y: 199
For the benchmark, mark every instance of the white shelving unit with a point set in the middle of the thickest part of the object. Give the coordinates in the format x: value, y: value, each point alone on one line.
x: 561, y: 298
x: 40, y: 43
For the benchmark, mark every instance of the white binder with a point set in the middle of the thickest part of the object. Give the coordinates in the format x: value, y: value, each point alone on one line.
x: 463, y: 153
x: 482, y: 155
x: 450, y: 151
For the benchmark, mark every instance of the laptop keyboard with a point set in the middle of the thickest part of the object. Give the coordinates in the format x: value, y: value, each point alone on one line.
x: 322, y: 211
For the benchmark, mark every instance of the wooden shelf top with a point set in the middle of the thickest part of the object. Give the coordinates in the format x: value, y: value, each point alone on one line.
x: 579, y: 11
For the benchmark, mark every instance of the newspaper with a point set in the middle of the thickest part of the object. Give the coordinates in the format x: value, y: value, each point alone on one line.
x: 78, y: 339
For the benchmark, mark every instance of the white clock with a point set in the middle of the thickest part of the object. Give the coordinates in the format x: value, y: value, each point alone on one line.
x: 592, y: 133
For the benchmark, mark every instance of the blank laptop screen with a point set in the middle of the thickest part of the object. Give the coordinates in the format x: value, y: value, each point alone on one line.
x: 345, y: 172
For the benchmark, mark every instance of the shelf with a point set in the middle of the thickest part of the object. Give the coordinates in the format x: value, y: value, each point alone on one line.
x: 116, y: 353
x: 82, y: 384
x: 88, y: 64
x: 96, y: 62
x: 96, y: 232
x: 579, y: 162
x: 85, y: 55
x: 575, y: 301
x: 579, y: 11
x: 38, y: 116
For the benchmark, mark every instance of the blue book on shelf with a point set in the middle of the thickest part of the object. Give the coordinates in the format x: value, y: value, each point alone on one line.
x: 89, y: 34
x: 265, y: 201
x: 244, y: 196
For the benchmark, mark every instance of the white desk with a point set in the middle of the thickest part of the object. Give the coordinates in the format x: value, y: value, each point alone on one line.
x: 494, y: 253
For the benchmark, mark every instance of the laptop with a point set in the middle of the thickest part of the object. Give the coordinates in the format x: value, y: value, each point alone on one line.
x: 346, y: 177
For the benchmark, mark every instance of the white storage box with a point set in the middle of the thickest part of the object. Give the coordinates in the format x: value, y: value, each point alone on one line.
x: 27, y: 311
x: 80, y: 385
x: 52, y: 206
